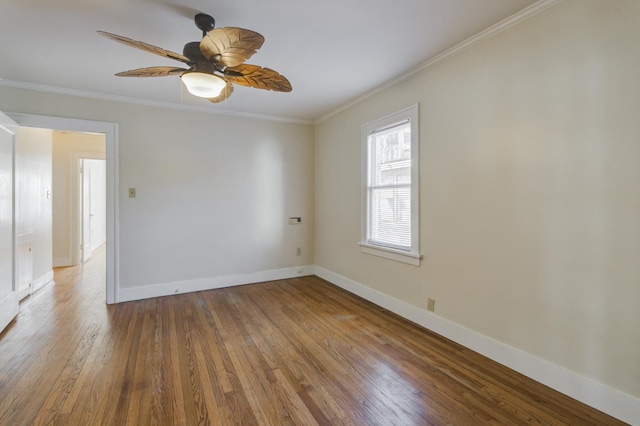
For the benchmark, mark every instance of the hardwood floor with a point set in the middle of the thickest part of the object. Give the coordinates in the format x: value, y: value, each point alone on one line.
x: 299, y: 352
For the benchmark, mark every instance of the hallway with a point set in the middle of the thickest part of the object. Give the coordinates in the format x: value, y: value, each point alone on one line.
x: 68, y: 314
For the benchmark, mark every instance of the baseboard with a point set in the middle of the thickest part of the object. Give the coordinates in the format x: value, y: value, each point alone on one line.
x: 604, y: 398
x: 59, y: 262
x: 176, y: 287
x: 41, y: 281
x: 97, y: 245
x: 8, y: 308
x: 24, y: 292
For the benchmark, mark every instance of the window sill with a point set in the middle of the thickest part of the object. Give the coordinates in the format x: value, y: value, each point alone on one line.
x: 392, y: 254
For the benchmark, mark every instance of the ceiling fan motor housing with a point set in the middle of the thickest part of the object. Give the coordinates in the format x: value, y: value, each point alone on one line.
x: 192, y: 51
x: 198, y: 61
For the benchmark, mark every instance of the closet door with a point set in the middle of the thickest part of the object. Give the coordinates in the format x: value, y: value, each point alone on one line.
x: 8, y: 295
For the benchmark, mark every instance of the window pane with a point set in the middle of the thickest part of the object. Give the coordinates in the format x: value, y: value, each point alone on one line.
x: 390, y: 155
x: 390, y: 216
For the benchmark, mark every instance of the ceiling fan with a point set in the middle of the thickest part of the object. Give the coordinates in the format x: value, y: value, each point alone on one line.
x: 214, y: 63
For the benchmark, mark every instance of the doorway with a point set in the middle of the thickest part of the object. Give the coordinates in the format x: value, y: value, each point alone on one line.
x: 110, y: 132
x: 79, y: 208
x: 92, y: 196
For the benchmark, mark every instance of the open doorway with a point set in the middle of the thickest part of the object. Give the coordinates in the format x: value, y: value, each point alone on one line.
x: 93, y: 207
x: 110, y: 133
x: 79, y: 196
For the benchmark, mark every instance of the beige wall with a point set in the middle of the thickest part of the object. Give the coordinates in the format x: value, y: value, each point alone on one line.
x: 64, y: 143
x: 213, y: 192
x: 529, y: 190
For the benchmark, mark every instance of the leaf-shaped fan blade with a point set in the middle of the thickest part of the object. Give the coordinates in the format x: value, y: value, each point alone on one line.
x: 146, y: 47
x: 152, y: 72
x: 230, y: 46
x: 258, y: 77
x: 226, y: 92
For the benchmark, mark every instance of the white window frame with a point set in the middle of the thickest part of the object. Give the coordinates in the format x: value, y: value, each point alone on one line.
x: 411, y: 256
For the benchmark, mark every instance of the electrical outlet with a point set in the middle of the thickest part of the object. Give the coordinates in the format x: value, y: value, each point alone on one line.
x: 431, y: 305
x: 299, y: 251
x: 132, y: 193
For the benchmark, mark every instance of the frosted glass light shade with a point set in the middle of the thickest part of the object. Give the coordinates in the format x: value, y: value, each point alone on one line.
x: 202, y: 84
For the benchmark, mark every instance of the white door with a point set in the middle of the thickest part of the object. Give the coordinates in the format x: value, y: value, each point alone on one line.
x: 8, y: 295
x: 98, y: 202
x: 86, y: 210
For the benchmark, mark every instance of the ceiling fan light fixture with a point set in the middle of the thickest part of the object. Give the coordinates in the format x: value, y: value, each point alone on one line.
x: 203, y: 85
x: 215, y: 63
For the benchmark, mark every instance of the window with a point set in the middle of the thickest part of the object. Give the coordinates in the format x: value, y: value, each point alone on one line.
x: 390, y: 187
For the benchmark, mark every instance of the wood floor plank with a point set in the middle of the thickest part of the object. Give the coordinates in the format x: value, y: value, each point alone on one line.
x: 298, y: 352
x: 350, y: 358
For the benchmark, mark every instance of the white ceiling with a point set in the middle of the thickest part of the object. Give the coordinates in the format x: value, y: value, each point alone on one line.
x: 332, y: 51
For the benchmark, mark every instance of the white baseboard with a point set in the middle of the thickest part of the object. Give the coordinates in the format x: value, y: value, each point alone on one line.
x: 41, y: 281
x: 8, y: 308
x: 96, y: 245
x: 24, y: 292
x: 604, y: 398
x: 61, y: 261
x: 176, y: 287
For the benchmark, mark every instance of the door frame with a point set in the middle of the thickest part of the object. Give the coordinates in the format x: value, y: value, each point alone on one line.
x: 110, y: 130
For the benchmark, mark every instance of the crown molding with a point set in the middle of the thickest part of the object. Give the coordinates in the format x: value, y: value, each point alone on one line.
x: 145, y: 102
x: 523, y: 15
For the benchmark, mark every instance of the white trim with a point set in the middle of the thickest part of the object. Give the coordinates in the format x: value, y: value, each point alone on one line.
x: 9, y: 304
x: 95, y: 245
x: 210, y: 283
x: 392, y: 254
x: 598, y: 395
x: 24, y: 240
x: 523, y: 15
x: 24, y: 292
x: 110, y: 130
x: 41, y: 281
x: 146, y: 102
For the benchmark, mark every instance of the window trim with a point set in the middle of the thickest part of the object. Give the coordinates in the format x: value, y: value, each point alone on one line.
x: 411, y: 256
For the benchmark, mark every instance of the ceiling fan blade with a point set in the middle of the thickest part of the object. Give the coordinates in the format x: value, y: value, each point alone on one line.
x: 226, y: 92
x: 152, y: 72
x: 230, y: 46
x: 258, y: 77
x: 146, y: 47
